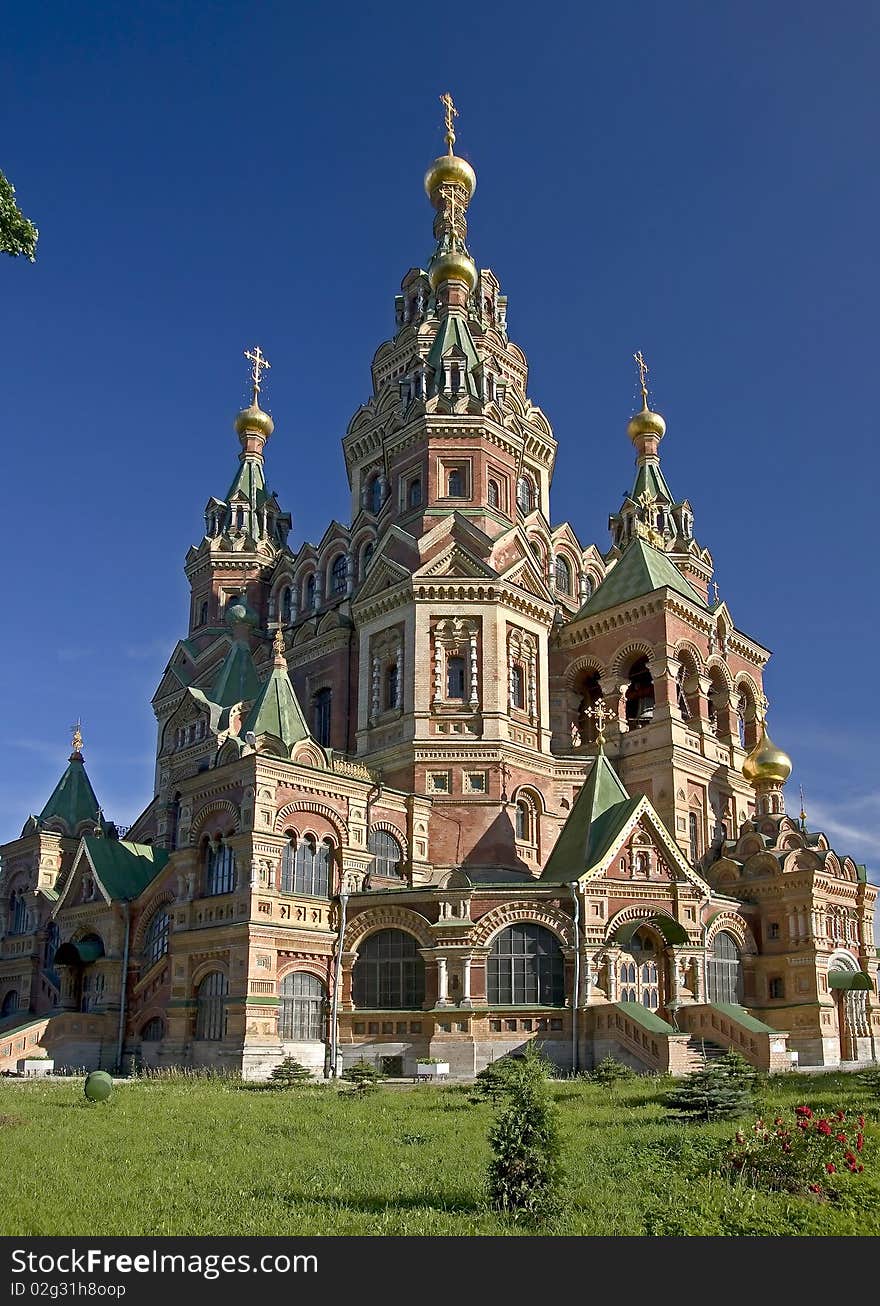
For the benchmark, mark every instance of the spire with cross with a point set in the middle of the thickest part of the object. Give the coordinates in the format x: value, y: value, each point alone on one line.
x: 450, y: 113
x: 77, y: 740
x: 600, y: 714
x: 643, y: 377
x: 260, y: 364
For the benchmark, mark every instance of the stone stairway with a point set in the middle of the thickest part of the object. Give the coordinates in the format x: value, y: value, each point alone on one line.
x: 702, y: 1050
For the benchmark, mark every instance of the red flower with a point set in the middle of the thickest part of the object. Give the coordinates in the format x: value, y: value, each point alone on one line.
x: 803, y: 1125
x: 841, y: 1138
x: 823, y: 1127
x: 840, y: 1115
x: 803, y: 1111
x: 830, y: 1167
x: 779, y: 1121
x: 815, y: 1188
x: 861, y: 1122
x: 860, y: 1142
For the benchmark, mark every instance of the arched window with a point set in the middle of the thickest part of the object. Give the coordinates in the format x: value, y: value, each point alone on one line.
x: 414, y: 493
x: 586, y: 587
x: 391, y: 686
x: 694, y: 836
x: 525, y: 966
x: 590, y: 689
x: 681, y: 697
x: 19, y: 916
x: 455, y: 484
x: 494, y: 495
x: 563, y: 575
x: 303, y: 1004
x: 517, y: 687
x: 525, y: 495
x: 640, y: 695
x: 321, y: 710
x: 724, y: 970
x: 219, y: 868
x: 288, y: 863
x: 312, y: 867
x: 211, y: 1007
x: 455, y: 677
x: 156, y: 938
x: 640, y: 971
x: 203, y: 615
x: 524, y: 816
x: 286, y: 604
x: 339, y: 574
x: 50, y: 947
x: 389, y: 973
x: 10, y: 1003
x: 374, y: 495
x: 153, y: 1031
x: 310, y: 593
x: 387, y: 853
x: 365, y: 559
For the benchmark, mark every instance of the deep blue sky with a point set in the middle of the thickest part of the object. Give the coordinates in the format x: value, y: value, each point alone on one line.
x: 698, y: 181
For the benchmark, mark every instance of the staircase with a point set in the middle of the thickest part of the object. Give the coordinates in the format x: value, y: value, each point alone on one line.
x: 702, y: 1052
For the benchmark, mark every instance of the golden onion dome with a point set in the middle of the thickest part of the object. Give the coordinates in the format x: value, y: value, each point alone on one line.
x: 766, y: 762
x: 646, y: 423
x: 253, y: 421
x: 452, y: 266
x: 450, y: 170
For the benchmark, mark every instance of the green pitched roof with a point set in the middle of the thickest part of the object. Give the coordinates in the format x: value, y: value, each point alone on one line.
x: 73, y: 799
x: 650, y: 479
x: 601, y: 810
x: 454, y: 334
x: 238, y: 681
x: 642, y: 569
x: 124, y: 869
x: 277, y: 711
x: 249, y: 481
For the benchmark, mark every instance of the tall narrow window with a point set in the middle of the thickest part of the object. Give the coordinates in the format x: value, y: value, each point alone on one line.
x: 312, y: 867
x: 219, y: 868
x: 391, y: 687
x: 724, y: 970
x: 310, y: 593
x: 517, y: 687
x: 494, y: 495
x: 414, y: 493
x: 203, y: 615
x: 455, y: 677
x: 365, y: 559
x: 523, y: 821
x: 563, y: 575
x: 288, y: 864
x: 640, y: 695
x: 694, y: 836
x: 302, y: 1009
x: 211, y: 1007
x: 525, y: 495
x: 339, y: 574
x: 321, y: 708
x: 374, y: 495
x: 286, y: 604
x: 455, y: 484
x: 156, y: 940
x: 683, y: 705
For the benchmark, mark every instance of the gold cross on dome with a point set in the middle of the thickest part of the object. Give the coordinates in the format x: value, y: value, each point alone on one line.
x: 643, y: 376
x: 77, y: 740
x: 450, y: 113
x: 260, y: 364
x: 600, y: 714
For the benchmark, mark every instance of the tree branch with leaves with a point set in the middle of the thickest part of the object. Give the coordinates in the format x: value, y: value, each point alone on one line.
x: 18, y: 235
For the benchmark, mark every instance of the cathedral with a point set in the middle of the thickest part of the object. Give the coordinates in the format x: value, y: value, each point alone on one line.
x: 448, y: 781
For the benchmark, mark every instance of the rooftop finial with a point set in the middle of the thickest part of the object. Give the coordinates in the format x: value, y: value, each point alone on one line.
x: 643, y: 378
x: 260, y: 364
x: 450, y: 113
x: 803, y: 813
x: 278, y: 645
x: 77, y: 741
x: 600, y: 714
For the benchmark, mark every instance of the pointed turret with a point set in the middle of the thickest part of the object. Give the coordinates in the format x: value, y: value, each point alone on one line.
x: 237, y: 680
x: 73, y: 802
x: 276, y: 712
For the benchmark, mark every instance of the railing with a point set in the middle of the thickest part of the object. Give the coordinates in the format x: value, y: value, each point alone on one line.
x: 644, y: 1035
x: 734, y: 1027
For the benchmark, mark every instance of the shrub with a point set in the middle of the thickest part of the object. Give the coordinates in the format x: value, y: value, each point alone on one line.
x: 290, y: 1072
x: 807, y: 1154
x: 362, y: 1077
x: 715, y: 1092
x: 870, y: 1080
x: 525, y: 1172
x: 610, y: 1070
x: 499, y: 1078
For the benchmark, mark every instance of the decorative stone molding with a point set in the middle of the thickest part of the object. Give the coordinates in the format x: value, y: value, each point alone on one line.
x: 729, y: 922
x: 219, y: 805
x: 387, y: 918
x: 513, y: 913
x: 319, y: 809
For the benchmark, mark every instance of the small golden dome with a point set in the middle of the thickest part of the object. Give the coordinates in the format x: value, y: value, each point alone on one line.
x: 766, y: 762
x: 450, y: 170
x: 646, y: 423
x: 452, y: 266
x: 253, y: 421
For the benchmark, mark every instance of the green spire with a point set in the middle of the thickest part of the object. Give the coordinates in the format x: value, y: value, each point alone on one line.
x: 277, y: 711
x: 600, y: 812
x: 73, y: 800
x: 238, y: 681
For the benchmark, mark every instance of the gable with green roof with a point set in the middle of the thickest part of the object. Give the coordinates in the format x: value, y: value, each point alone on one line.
x: 124, y: 869
x: 641, y: 570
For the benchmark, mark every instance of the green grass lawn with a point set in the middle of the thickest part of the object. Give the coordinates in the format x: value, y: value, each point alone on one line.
x: 208, y: 1157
